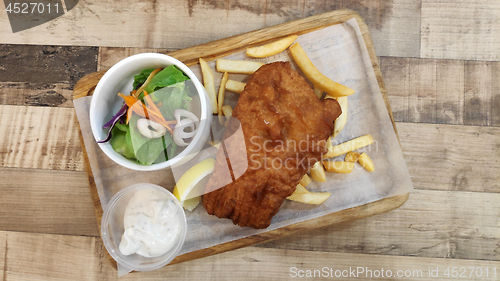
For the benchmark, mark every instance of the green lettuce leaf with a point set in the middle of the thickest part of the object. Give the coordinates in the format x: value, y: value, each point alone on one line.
x: 146, y: 150
x: 140, y: 78
x: 168, y: 76
x: 172, y: 97
x: 119, y: 141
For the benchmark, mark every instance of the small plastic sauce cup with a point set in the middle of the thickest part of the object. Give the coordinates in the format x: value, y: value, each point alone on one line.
x: 112, y: 230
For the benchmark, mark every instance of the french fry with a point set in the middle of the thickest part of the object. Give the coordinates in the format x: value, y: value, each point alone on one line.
x: 222, y: 93
x: 300, y: 189
x: 237, y: 66
x: 366, y: 162
x: 315, y: 76
x: 235, y: 86
x: 340, y: 122
x: 318, y: 91
x: 271, y: 49
x: 318, y: 172
x: 227, y: 110
x: 216, y: 145
x: 348, y: 146
x: 338, y: 166
x: 305, y: 180
x: 208, y: 82
x: 351, y: 157
x: 310, y: 197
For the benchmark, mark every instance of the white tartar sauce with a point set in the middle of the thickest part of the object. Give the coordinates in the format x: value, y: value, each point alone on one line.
x: 152, y: 224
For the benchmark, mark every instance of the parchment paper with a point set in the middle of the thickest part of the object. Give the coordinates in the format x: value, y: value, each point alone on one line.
x: 340, y: 53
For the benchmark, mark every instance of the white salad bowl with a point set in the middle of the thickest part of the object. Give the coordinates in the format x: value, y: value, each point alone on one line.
x: 119, y: 78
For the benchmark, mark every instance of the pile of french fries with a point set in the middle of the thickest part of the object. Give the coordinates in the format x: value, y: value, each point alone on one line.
x: 321, y: 84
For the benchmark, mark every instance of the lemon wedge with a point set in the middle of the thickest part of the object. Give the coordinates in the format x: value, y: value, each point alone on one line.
x: 190, y: 186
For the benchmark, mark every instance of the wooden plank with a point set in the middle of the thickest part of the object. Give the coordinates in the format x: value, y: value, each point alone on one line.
x: 495, y: 101
x: 457, y: 224
x: 464, y: 167
x: 481, y: 93
x: 36, y: 94
x: 443, y: 91
x: 447, y: 157
x: 450, y: 84
x: 233, y: 44
x: 33, y: 256
x: 46, y: 64
x: 12, y: 156
x: 81, y: 258
x: 276, y: 264
x: 108, y: 56
x: 419, y: 90
x: 461, y: 225
x: 464, y: 29
x: 437, y: 156
x: 396, y: 73
x: 455, y: 165
x: 212, y: 50
x: 40, y: 138
x: 3, y: 253
x: 46, y: 201
x: 422, y: 95
x: 395, y: 25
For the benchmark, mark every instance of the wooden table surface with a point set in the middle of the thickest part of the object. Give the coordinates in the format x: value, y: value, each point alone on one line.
x: 440, y: 62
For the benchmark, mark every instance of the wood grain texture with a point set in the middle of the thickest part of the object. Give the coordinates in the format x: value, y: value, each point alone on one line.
x: 233, y: 44
x: 464, y: 29
x: 52, y: 202
x: 51, y: 129
x: 3, y: 253
x: 470, y: 231
x: 72, y: 257
x: 448, y: 157
x: 482, y: 93
x: 451, y: 220
x: 40, y: 138
x: 443, y: 91
x: 36, y: 94
x: 395, y: 24
x: 81, y: 258
x: 108, y: 56
x: 463, y: 157
x: 396, y: 73
x: 226, y: 46
x: 46, y: 64
x: 450, y: 87
x: 447, y: 224
x: 422, y: 95
x: 85, y: 86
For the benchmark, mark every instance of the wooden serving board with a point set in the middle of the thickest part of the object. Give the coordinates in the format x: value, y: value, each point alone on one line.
x: 223, y: 47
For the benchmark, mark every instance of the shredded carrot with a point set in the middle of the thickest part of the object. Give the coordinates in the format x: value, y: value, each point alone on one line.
x: 152, y: 112
x: 155, y: 112
x: 129, y: 115
x: 152, y: 105
x: 138, y: 92
x: 129, y: 100
x: 134, y: 105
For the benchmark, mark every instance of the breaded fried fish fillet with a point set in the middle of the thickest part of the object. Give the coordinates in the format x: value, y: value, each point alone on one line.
x: 285, y: 127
